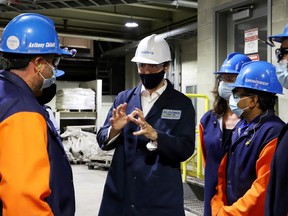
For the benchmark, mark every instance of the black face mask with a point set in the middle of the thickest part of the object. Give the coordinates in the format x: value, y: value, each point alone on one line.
x: 47, y: 94
x: 150, y: 81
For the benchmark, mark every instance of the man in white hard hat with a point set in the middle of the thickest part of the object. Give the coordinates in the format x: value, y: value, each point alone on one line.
x: 152, y: 128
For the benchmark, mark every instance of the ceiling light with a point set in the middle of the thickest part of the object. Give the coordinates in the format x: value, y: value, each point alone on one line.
x: 131, y: 24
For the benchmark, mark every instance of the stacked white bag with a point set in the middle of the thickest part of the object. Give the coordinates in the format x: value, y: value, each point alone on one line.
x: 75, y: 98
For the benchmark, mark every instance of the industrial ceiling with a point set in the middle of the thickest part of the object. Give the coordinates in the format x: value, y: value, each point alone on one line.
x: 104, y: 19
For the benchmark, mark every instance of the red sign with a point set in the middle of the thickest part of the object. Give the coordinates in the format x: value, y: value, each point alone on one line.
x: 254, y: 57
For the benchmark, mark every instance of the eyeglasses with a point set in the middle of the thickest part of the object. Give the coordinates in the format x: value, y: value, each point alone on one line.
x: 227, y: 78
x: 52, y: 67
x: 237, y: 96
x: 280, y: 53
x: 150, y: 66
x: 56, y: 61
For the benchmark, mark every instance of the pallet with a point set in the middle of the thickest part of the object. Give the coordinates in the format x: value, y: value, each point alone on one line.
x: 76, y: 110
x: 100, y: 163
x: 78, y: 161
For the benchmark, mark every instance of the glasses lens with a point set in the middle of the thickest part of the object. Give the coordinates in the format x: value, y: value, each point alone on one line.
x: 236, y: 96
x: 153, y: 66
x: 227, y: 78
x: 56, y: 61
x: 280, y: 53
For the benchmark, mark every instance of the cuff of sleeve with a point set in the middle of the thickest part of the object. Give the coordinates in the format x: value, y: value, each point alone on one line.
x: 107, y: 142
x: 152, y: 145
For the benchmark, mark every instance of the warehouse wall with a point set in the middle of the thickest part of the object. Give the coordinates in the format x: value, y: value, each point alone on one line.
x: 205, y: 51
x: 206, y: 56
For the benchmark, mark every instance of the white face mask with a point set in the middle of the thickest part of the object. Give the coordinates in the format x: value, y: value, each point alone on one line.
x: 233, y: 104
x: 47, y: 82
x: 282, y: 73
x: 224, y: 90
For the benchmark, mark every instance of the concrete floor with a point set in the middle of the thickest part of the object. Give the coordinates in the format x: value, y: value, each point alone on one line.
x: 88, y: 189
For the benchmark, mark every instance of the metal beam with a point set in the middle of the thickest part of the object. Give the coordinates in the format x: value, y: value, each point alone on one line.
x: 106, y: 39
x: 111, y: 14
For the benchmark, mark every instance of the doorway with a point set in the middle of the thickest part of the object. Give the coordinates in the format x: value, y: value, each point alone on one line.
x: 239, y: 24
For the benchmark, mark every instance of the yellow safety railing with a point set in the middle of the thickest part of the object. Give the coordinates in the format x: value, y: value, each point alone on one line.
x: 195, y: 161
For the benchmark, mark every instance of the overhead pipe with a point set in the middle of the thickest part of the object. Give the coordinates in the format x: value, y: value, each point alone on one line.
x: 185, y: 3
x: 177, y: 3
x: 175, y: 32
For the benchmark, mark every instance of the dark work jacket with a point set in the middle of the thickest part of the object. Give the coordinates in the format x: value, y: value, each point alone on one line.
x: 50, y: 174
x: 243, y: 156
x: 213, y: 151
x: 244, y: 171
x: 142, y: 182
x: 277, y: 192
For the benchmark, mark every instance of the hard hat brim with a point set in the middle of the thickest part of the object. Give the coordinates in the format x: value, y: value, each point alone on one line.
x: 59, y: 73
x: 226, y: 72
x: 255, y: 88
x: 144, y: 60
x: 278, y: 38
x: 65, y: 52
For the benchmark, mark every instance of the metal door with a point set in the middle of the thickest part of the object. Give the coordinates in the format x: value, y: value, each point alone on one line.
x: 239, y: 24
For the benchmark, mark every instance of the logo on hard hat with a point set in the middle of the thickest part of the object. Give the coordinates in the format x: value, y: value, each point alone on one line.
x: 12, y: 42
x: 41, y: 45
x: 147, y: 52
x: 256, y: 82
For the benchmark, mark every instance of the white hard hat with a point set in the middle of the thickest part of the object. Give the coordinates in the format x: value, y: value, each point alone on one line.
x: 152, y: 50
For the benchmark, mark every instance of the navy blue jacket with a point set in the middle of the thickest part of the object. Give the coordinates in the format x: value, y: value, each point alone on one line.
x: 245, y: 169
x: 142, y: 182
x: 277, y: 192
x: 213, y: 151
x: 32, y: 155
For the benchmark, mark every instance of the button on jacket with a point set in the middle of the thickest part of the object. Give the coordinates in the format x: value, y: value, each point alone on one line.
x: 36, y: 177
x: 142, y: 182
x: 245, y: 169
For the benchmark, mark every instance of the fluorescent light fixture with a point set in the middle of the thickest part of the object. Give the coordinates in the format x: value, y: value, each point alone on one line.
x: 131, y: 24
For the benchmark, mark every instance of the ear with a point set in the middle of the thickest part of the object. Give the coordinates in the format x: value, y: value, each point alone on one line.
x: 37, y: 63
x: 254, y: 100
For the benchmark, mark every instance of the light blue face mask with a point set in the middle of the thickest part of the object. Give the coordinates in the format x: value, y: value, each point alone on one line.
x: 47, y: 82
x: 224, y: 90
x: 282, y: 73
x: 233, y: 104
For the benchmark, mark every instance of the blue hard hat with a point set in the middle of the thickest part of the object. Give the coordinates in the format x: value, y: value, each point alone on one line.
x: 258, y: 75
x: 31, y: 33
x: 233, y: 63
x: 279, y: 37
x: 59, y: 73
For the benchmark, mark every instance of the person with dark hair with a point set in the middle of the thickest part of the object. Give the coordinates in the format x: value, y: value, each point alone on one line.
x: 152, y: 129
x: 219, y: 121
x: 277, y: 191
x: 35, y: 173
x: 245, y: 169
